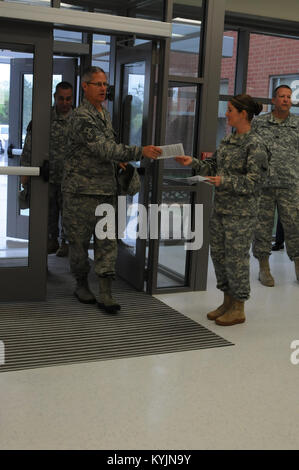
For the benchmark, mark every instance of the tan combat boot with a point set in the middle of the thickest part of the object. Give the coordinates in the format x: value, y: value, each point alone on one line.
x: 265, y: 276
x: 296, y: 261
x: 234, y: 315
x: 227, y: 301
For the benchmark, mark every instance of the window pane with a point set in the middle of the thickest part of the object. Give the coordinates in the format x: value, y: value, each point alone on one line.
x: 27, y: 103
x: 184, y: 49
x: 44, y: 3
x: 228, y: 63
x: 133, y: 102
x: 172, y: 254
x: 272, y: 58
x: 69, y: 36
x: 27, y: 99
x: 180, y: 127
x: 223, y: 128
x: 101, y: 52
x: 16, y: 88
x: 152, y: 10
x: 180, y: 116
x: 186, y: 33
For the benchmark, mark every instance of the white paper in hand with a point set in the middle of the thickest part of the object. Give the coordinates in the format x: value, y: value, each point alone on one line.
x: 171, y: 151
x: 189, y: 179
x: 196, y: 179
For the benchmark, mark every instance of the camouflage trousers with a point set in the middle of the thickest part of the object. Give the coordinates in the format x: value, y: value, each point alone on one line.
x: 230, y: 240
x: 55, y: 212
x: 287, y: 202
x: 79, y: 222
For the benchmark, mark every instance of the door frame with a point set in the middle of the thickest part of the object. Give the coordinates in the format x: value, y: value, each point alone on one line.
x: 30, y: 282
x: 132, y: 267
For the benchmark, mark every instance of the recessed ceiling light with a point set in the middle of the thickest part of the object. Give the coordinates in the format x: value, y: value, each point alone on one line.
x: 186, y: 20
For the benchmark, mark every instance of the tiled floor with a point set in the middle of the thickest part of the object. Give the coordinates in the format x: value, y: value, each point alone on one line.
x: 241, y: 397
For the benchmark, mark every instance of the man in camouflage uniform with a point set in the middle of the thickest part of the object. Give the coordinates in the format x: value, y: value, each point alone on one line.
x: 88, y: 181
x: 280, y: 132
x: 60, y: 114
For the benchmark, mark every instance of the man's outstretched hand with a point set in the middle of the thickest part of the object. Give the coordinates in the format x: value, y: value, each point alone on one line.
x: 151, y: 151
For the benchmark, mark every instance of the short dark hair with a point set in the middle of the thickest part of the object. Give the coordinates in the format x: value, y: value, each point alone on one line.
x: 89, y: 71
x: 63, y: 86
x: 246, y: 103
x: 280, y: 86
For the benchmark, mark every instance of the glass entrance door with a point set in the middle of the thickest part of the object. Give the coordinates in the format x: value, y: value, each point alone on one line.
x: 134, y: 91
x: 23, y: 256
x: 19, y: 69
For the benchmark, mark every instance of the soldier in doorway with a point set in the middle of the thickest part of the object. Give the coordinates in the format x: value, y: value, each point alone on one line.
x: 60, y: 119
x: 89, y: 181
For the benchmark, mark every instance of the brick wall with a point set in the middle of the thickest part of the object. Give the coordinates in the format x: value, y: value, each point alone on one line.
x: 268, y: 56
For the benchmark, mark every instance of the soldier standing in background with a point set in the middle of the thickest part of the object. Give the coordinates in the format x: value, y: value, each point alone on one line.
x: 88, y: 181
x: 240, y: 165
x: 280, y: 132
x: 61, y: 112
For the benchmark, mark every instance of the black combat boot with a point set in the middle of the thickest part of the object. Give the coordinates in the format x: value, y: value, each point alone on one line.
x: 83, y: 293
x: 63, y: 250
x: 105, y: 299
x: 53, y: 245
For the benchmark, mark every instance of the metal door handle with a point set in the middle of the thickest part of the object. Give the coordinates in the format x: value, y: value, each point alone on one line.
x: 27, y: 170
x: 9, y: 151
x: 12, y: 152
x: 16, y: 152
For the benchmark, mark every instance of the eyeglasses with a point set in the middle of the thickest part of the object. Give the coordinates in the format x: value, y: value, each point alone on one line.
x: 99, y: 84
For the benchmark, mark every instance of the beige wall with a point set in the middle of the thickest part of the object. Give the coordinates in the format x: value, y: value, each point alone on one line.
x: 283, y: 9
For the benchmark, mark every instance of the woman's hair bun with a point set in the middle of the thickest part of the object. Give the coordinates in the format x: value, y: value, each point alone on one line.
x: 247, y: 103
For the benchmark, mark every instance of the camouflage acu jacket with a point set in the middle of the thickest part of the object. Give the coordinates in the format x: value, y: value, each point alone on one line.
x: 58, y: 145
x: 93, y: 152
x: 242, y: 161
x: 282, y: 140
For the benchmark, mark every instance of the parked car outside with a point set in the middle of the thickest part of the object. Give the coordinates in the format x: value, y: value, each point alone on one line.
x: 4, y: 131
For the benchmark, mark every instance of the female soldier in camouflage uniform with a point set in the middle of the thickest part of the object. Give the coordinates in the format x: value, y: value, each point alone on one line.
x: 239, y: 165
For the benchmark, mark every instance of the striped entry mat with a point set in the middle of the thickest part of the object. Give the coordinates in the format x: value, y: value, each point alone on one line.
x: 63, y: 331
